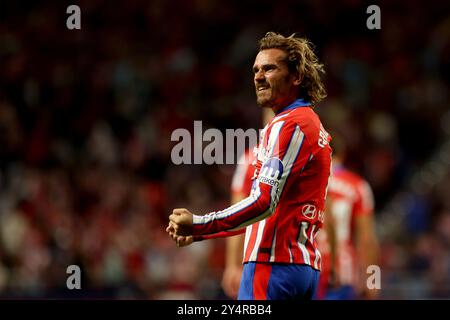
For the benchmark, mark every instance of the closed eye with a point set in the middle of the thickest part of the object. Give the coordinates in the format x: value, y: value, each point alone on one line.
x: 269, y: 67
x: 265, y: 68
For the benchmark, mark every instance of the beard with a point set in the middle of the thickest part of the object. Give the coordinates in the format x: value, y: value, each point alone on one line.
x: 264, y: 99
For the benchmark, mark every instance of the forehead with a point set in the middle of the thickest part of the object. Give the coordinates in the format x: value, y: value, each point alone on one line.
x: 270, y: 56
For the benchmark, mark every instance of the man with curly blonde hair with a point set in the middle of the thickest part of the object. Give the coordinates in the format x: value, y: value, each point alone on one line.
x: 284, y: 211
x: 298, y: 56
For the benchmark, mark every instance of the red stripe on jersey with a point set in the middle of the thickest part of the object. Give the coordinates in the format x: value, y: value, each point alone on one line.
x: 261, y: 280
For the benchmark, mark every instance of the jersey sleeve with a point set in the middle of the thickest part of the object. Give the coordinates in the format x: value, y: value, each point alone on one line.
x: 288, y: 152
x: 222, y: 234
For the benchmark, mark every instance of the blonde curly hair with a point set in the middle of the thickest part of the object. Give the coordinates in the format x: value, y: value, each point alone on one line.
x: 301, y: 59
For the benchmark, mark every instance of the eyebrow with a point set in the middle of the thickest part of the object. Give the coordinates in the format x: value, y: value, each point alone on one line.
x: 264, y: 66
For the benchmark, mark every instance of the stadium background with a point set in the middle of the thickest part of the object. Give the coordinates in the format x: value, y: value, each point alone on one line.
x: 86, y: 118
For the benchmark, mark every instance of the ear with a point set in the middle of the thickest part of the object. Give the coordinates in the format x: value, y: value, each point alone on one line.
x: 297, y: 79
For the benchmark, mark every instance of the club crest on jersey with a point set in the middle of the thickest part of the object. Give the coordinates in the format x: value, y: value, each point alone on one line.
x: 309, y: 211
x: 271, y: 172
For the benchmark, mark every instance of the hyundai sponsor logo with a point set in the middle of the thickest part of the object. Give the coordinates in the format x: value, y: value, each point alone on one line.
x: 309, y: 211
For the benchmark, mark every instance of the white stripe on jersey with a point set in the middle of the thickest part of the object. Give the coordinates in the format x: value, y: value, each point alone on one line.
x: 311, y: 238
x: 274, y: 136
x: 248, y: 233
x: 292, y: 151
x: 316, y: 261
x: 261, y: 227
x: 305, y: 253
x: 291, y: 258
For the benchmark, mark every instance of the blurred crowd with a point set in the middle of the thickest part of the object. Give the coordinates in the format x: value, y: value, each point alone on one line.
x: 86, y: 118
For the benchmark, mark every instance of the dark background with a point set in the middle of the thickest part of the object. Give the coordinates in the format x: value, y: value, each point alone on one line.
x: 86, y: 116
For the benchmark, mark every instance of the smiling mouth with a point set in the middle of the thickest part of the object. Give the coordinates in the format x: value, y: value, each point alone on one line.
x: 262, y: 89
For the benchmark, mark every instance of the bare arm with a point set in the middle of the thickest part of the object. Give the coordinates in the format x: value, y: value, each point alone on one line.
x: 367, y: 248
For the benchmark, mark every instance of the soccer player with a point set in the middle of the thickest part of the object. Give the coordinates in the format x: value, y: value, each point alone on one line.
x: 350, y: 233
x: 284, y: 211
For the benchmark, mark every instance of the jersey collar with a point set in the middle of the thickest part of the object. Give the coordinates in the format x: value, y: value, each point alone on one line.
x: 296, y: 104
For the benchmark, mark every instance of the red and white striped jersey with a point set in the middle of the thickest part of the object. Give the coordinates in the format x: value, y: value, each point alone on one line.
x: 350, y: 197
x: 284, y: 211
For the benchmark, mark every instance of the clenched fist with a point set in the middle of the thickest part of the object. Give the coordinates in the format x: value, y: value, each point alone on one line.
x: 180, y: 221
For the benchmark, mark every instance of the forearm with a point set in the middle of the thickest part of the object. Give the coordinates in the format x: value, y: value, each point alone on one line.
x: 255, y: 207
x: 369, y: 252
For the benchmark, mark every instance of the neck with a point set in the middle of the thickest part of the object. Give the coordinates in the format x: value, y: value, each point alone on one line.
x: 276, y: 108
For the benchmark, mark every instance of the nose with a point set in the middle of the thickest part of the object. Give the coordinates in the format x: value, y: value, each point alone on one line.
x: 259, y: 76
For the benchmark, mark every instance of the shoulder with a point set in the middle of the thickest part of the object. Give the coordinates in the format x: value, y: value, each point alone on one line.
x: 355, y: 181
x: 304, y: 122
x: 353, y: 177
x: 310, y: 124
x: 348, y: 176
